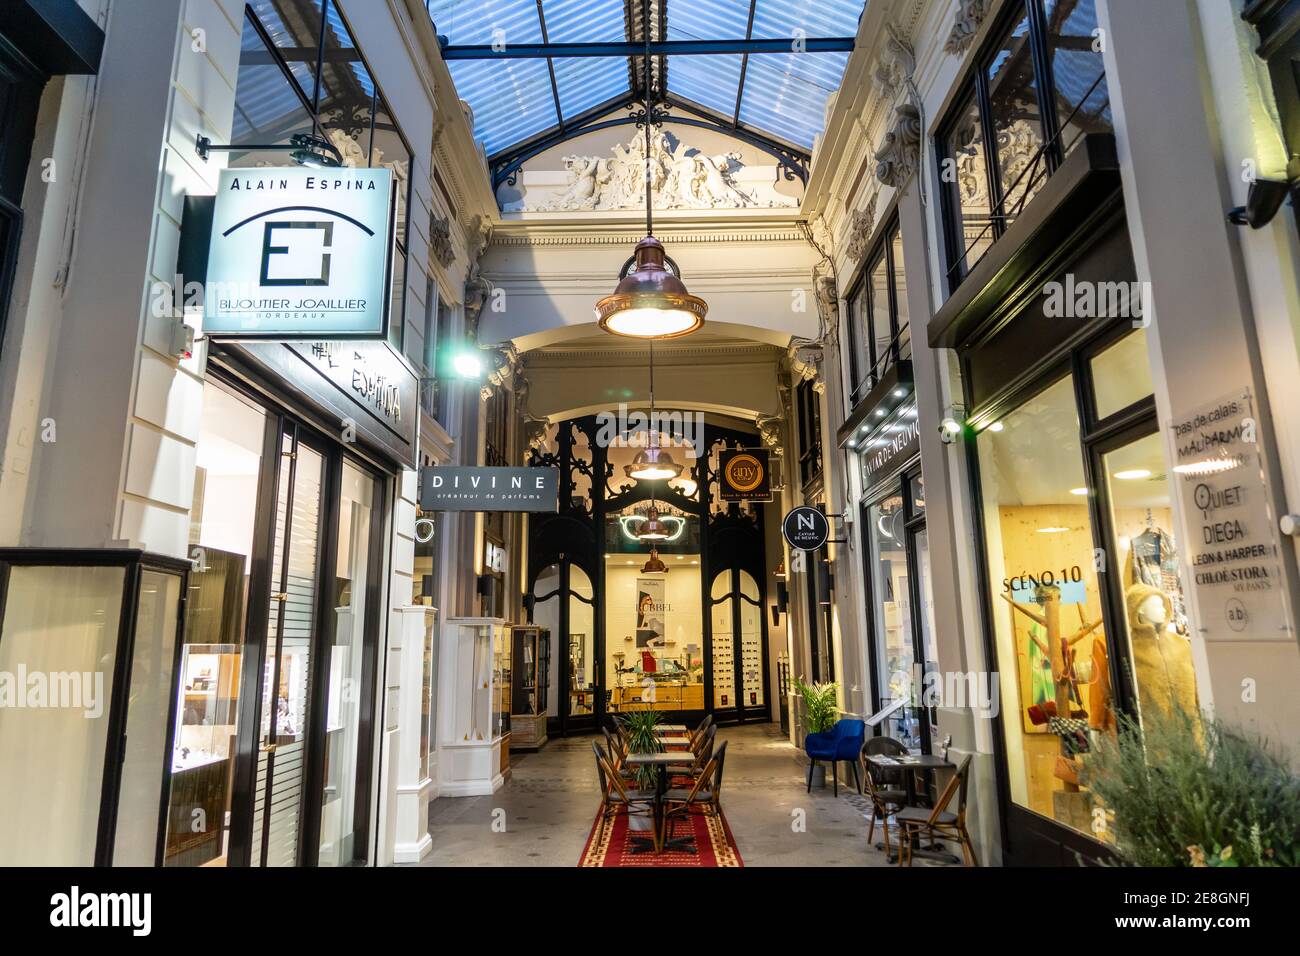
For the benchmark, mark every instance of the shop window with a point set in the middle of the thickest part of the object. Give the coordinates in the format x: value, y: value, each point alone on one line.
x: 340, y: 843
x: 1147, y: 559
x: 1045, y: 601
x: 1121, y: 374
x: 582, y: 643
x: 894, y: 655
x: 61, y: 751
x: 1037, y: 88
x: 810, y: 432
x: 1082, y: 101
x: 878, y: 328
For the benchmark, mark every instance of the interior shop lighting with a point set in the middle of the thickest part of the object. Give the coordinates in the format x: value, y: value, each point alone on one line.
x: 1133, y: 474
x: 1079, y: 491
x: 654, y: 565
x: 1052, y: 530
x: 652, y: 463
x: 1209, y: 466
x: 650, y: 302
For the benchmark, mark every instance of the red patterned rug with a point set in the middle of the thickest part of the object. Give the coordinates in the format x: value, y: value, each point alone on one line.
x: 708, y: 842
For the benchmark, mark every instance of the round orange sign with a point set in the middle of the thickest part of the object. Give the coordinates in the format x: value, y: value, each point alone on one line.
x: 744, y: 473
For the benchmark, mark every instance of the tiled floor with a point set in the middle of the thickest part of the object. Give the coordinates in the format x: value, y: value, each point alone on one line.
x: 544, y: 812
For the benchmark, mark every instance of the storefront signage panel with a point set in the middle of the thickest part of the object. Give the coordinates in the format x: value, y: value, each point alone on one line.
x: 745, y: 474
x: 300, y: 253
x: 363, y: 390
x: 488, y: 488
x: 1234, y: 553
x: 890, y: 445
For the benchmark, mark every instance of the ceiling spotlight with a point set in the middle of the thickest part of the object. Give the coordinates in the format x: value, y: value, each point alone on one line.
x: 1079, y: 491
x: 1133, y: 474
x: 1052, y: 530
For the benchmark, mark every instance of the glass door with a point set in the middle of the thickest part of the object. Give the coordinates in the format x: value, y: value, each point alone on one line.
x: 738, y: 647
x: 280, y: 791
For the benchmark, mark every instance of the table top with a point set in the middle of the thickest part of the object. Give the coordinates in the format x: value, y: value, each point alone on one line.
x: 675, y: 741
x: 924, y: 761
x: 656, y: 759
x: 671, y: 728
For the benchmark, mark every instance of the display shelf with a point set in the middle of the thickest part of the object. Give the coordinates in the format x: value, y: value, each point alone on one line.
x: 532, y: 666
x: 475, y: 696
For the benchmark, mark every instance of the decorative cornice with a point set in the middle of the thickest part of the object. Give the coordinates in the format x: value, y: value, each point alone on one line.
x: 582, y: 236
x: 965, y: 24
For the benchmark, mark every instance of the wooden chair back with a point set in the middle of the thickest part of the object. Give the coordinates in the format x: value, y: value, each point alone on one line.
x: 958, y: 780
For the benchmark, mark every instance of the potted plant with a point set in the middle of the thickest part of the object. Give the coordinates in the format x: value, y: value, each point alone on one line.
x: 820, y: 711
x: 1180, y: 789
x: 639, y: 727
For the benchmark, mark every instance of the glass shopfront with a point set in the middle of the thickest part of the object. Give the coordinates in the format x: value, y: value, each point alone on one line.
x: 274, y: 701
x: 681, y: 631
x: 900, y: 604
x: 1086, y: 603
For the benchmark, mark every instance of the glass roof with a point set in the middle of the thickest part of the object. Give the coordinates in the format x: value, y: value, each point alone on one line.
x: 778, y: 96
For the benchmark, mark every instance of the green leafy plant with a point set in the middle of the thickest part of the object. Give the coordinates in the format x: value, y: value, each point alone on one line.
x: 1191, y: 791
x: 821, y: 708
x: 639, y: 727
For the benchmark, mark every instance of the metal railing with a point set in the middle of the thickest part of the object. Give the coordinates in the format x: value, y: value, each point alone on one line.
x: 894, y: 352
x: 999, y: 217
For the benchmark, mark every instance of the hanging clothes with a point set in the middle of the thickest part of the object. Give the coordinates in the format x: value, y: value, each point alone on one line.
x: 1154, y: 560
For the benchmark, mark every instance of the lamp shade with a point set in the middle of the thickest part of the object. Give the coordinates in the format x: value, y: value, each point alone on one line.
x: 652, y: 464
x: 653, y: 528
x: 650, y: 302
x: 655, y: 564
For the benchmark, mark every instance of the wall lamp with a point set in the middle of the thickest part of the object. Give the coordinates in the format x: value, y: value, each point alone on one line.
x: 952, y: 425
x: 1263, y: 200
x: 303, y: 149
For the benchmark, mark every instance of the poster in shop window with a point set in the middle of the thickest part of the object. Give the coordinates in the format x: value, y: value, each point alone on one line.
x: 651, y: 608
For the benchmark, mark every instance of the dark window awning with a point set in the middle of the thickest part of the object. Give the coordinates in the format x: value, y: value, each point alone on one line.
x: 50, y: 37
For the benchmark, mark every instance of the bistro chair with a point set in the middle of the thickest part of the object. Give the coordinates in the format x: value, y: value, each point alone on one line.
x: 913, y: 821
x: 703, y: 751
x: 703, y: 795
x: 885, y: 800
x: 842, y: 742
x: 615, y: 795
x: 894, y: 777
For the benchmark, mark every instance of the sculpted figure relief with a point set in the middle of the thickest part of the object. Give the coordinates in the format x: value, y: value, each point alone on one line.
x: 681, y: 177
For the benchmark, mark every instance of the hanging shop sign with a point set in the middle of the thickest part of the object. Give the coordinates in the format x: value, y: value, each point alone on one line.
x: 805, y: 528
x: 1233, y: 553
x: 890, y: 446
x: 488, y: 488
x: 300, y: 253
x: 745, y: 475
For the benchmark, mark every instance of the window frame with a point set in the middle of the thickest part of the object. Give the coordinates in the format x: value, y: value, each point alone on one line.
x: 861, y: 381
x: 974, y: 85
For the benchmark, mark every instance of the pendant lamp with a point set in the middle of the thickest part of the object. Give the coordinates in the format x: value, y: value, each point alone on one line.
x: 652, y: 463
x: 655, y: 565
x: 650, y: 302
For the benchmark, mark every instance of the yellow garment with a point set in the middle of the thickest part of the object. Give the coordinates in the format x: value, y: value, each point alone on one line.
x: 1162, y: 661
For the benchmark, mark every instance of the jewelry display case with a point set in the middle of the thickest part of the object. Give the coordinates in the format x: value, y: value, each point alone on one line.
x: 474, y: 693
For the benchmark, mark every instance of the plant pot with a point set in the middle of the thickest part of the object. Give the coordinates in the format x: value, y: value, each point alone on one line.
x: 819, y: 775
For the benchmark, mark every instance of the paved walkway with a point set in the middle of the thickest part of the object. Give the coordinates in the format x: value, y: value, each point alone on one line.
x: 550, y: 800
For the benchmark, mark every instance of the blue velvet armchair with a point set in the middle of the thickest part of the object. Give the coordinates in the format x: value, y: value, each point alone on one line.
x: 842, y: 742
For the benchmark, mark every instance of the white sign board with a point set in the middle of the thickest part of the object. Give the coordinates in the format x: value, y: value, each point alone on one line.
x: 1233, y: 551
x: 300, y: 253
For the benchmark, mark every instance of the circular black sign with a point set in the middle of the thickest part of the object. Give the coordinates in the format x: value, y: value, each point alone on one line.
x: 806, y: 528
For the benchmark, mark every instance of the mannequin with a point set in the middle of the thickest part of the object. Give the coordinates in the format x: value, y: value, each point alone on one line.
x: 1162, y: 660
